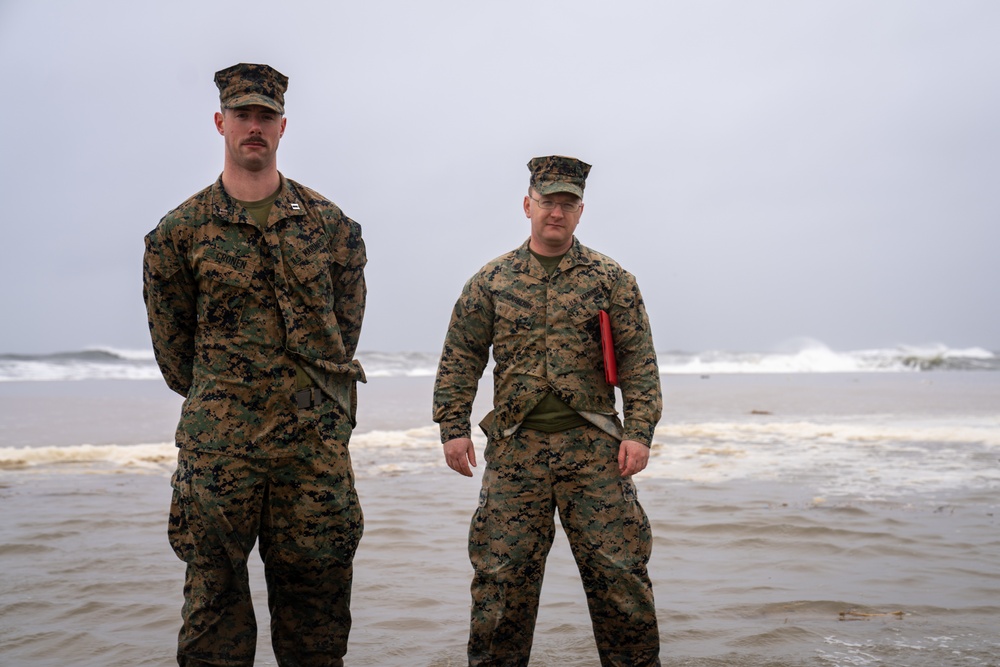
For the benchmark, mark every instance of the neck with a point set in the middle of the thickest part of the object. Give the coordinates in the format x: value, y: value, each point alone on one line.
x: 250, y: 185
x: 547, y: 251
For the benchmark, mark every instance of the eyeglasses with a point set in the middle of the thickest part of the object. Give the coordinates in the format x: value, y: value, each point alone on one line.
x: 549, y: 204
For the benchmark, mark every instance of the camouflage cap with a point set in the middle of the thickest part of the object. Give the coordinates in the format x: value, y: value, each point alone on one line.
x: 557, y: 173
x: 243, y: 85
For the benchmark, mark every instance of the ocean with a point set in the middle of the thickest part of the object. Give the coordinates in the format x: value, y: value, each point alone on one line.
x: 809, y: 508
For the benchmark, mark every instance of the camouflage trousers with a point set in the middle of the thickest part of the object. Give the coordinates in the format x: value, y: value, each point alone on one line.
x: 528, y: 477
x: 305, y: 513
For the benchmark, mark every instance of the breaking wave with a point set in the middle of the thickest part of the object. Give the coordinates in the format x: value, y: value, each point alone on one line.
x: 109, y: 363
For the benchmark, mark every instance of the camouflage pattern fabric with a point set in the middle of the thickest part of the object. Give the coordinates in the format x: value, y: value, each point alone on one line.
x: 529, y: 475
x: 558, y: 173
x: 235, y: 309
x: 247, y: 84
x: 545, y: 337
x: 238, y: 311
x: 306, y: 514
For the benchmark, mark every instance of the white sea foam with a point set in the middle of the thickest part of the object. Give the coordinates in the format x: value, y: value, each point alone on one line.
x: 122, y: 353
x: 90, y: 458
x: 844, y: 458
x: 815, y: 357
x: 803, y: 356
x: 31, y: 370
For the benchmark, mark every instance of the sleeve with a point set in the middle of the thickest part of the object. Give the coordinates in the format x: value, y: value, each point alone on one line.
x: 350, y: 290
x: 170, y: 293
x: 463, y: 360
x: 638, y: 370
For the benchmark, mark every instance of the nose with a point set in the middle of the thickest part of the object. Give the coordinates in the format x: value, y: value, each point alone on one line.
x: 557, y: 211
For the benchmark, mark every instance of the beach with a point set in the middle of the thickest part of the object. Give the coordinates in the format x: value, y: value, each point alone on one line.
x: 799, y: 519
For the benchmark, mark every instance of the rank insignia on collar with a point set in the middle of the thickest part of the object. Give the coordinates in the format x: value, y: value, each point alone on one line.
x: 295, y: 207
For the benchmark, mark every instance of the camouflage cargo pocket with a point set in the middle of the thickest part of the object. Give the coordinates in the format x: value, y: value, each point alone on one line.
x: 635, y: 524
x: 481, y: 549
x: 178, y: 527
x: 224, y: 294
x: 511, y: 334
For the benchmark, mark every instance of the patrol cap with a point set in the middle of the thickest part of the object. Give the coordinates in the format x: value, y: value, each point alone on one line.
x: 557, y: 173
x: 244, y: 85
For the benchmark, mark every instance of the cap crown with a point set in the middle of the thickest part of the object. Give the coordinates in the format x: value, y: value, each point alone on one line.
x: 558, y: 173
x: 246, y: 84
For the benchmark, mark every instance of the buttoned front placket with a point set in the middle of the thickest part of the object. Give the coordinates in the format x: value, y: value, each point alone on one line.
x: 285, y: 212
x: 558, y: 333
x: 536, y: 287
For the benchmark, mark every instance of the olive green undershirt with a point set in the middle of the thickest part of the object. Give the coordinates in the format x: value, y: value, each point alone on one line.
x: 260, y: 211
x: 552, y: 414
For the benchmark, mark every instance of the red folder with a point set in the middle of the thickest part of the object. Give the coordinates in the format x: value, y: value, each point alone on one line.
x: 608, y: 348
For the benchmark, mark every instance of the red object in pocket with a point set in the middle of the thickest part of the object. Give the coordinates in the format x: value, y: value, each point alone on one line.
x: 608, y: 348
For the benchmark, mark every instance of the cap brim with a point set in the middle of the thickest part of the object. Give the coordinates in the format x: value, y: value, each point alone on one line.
x: 552, y: 188
x: 255, y: 100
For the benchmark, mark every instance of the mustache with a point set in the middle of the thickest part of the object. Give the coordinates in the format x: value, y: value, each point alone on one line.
x: 254, y: 140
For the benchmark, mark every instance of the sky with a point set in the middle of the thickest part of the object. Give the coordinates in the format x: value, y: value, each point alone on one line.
x: 771, y: 171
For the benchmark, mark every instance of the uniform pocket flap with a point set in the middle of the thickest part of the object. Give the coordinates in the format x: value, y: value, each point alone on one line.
x: 226, y: 274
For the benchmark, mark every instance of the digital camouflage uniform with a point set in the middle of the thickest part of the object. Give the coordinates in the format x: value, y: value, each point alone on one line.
x: 545, y: 337
x: 257, y: 326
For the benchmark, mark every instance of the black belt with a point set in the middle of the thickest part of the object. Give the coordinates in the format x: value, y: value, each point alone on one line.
x: 307, y: 398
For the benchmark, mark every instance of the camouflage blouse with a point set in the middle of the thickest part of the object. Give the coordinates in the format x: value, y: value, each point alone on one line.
x: 236, y: 308
x: 545, y: 337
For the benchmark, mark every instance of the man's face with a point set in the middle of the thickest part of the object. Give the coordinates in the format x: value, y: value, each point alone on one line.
x: 252, y: 134
x: 552, y: 228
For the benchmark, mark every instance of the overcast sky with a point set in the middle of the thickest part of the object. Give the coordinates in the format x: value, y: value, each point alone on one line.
x: 768, y: 170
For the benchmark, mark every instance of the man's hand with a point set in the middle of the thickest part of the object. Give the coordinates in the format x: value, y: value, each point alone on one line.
x: 458, y: 454
x: 632, y: 457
